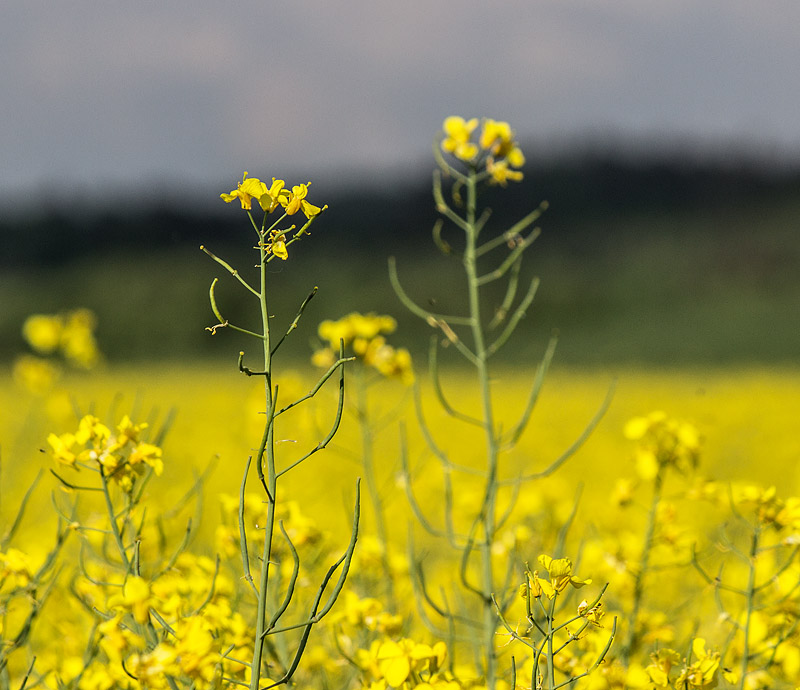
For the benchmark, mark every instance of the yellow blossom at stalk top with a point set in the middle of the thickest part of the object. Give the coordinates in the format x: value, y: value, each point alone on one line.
x: 275, y: 196
x: 498, y: 139
x: 297, y: 202
x: 662, y: 441
x: 501, y: 173
x: 122, y: 455
x: 77, y: 338
x: 43, y: 332
x: 70, y: 334
x: 458, y: 132
x: 248, y: 189
x: 560, y: 572
x: 659, y: 670
x: 135, y: 598
x: 361, y: 334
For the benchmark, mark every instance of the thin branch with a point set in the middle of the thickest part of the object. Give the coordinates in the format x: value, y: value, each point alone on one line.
x: 414, y: 308
x: 324, y: 442
x: 338, y: 363
x: 509, y: 261
x: 437, y: 386
x: 569, y: 452
x: 518, y: 314
x: 510, y: 439
x: 230, y: 270
x: 294, y: 323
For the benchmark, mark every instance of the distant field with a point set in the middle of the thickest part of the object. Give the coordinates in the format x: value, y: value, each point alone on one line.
x: 747, y: 416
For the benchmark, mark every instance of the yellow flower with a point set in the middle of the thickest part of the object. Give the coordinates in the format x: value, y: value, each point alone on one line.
x: 90, y: 428
x: 14, y: 565
x: 34, y: 373
x: 389, y: 361
x: 135, y: 597
x: 194, y: 649
x: 495, y: 134
x: 297, y: 202
x: 501, y: 173
x: 247, y: 189
x: 278, y: 248
x: 661, y: 442
x: 275, y: 196
x: 43, y: 332
x: 594, y: 615
x: 457, y: 140
x: 498, y: 139
x: 702, y: 673
x: 62, y: 448
x: 560, y: 572
x: 662, y: 662
x: 537, y: 587
x: 397, y: 660
x: 127, y: 431
x: 148, y: 454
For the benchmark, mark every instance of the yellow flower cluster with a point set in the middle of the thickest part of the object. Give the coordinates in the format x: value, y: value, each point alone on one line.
x: 495, y: 147
x: 663, y: 442
x: 404, y: 664
x: 355, y: 613
x: 363, y: 335
x: 120, y: 456
x: 15, y: 569
x: 273, y: 197
x: 195, y: 601
x: 701, y: 672
x: 770, y: 509
x: 69, y: 335
x: 277, y: 195
x: 301, y: 529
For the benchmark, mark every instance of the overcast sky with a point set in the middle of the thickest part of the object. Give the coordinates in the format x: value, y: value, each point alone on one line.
x: 101, y: 95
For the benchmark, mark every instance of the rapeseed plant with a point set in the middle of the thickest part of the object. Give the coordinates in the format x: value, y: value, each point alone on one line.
x: 364, y: 337
x: 470, y: 165
x: 552, y: 650
x: 273, y: 241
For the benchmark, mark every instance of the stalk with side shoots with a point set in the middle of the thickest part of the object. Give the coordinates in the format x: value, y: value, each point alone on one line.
x: 274, y: 241
x: 486, y: 259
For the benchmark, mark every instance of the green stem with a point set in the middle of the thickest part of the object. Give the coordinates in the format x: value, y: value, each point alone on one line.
x: 638, y: 585
x: 265, y: 452
x: 551, y: 671
x: 751, y: 589
x: 114, y: 526
x: 490, y: 491
x: 362, y: 412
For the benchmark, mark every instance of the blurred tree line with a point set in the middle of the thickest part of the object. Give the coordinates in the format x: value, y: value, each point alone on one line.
x: 655, y: 261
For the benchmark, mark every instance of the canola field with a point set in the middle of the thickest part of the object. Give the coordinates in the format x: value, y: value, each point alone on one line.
x: 745, y: 418
x: 369, y: 521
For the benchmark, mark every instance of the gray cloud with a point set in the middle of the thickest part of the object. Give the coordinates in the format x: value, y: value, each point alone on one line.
x: 104, y: 95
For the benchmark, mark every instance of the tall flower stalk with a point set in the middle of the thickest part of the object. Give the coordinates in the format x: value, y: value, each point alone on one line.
x: 274, y: 241
x: 493, y: 159
x: 364, y: 335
